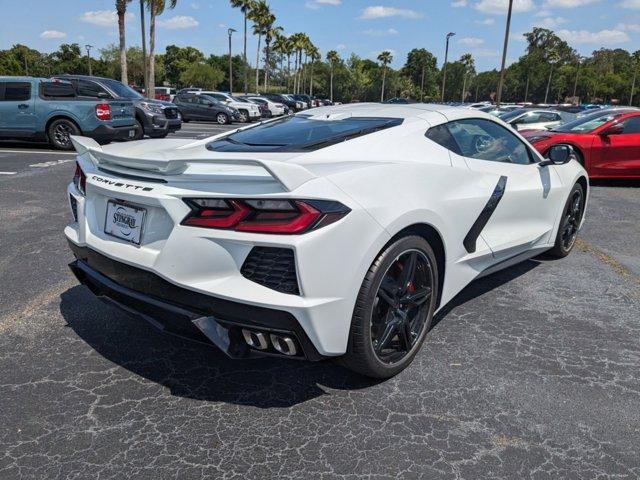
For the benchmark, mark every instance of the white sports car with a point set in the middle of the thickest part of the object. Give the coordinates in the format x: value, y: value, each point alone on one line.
x: 333, y: 233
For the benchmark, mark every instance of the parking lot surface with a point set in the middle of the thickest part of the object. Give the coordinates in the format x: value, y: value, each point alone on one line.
x: 533, y: 372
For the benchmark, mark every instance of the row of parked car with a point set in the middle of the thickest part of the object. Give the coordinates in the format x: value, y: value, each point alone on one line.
x: 54, y: 109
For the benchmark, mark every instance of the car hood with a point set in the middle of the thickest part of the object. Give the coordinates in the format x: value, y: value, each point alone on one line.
x: 155, y: 102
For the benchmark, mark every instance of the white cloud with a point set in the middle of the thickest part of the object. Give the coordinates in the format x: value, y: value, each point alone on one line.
x: 486, y: 21
x: 632, y: 4
x: 316, y: 4
x: 178, y: 22
x: 103, y: 18
x: 603, y: 37
x: 551, y: 22
x: 628, y: 27
x: 566, y: 3
x: 370, y: 13
x: 52, y: 34
x: 380, y: 33
x: 485, y: 52
x: 471, y: 41
x: 194, y: 5
x: 543, y: 13
x: 459, y: 3
x: 499, y: 7
x: 341, y: 46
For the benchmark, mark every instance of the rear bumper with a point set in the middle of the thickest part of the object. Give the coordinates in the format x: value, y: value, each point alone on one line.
x: 108, y: 133
x: 178, y: 311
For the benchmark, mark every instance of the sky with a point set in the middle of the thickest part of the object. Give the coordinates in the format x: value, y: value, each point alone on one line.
x: 364, y: 27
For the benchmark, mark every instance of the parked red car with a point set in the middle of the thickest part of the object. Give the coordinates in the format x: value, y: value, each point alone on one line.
x: 606, y: 142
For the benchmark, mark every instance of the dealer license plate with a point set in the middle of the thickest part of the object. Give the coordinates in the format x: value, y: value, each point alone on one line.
x: 124, y: 221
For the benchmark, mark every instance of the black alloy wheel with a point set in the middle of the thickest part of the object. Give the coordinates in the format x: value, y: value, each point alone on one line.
x: 571, y: 220
x: 569, y: 223
x: 398, y: 315
x: 394, y: 309
x: 60, y: 132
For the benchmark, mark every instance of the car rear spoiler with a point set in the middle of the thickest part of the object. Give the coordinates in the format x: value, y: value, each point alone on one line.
x: 289, y: 175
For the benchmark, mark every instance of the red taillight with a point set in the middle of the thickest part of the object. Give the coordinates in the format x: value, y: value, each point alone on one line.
x: 103, y: 111
x: 80, y: 180
x: 263, y: 216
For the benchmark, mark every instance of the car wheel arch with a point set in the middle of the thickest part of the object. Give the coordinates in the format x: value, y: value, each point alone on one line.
x: 60, y: 117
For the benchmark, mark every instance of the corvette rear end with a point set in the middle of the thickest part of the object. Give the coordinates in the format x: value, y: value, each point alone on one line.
x: 218, y: 250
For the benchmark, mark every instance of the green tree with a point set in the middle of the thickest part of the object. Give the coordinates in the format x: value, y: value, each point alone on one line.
x: 178, y: 59
x: 202, y: 75
x: 421, y: 69
x: 332, y: 58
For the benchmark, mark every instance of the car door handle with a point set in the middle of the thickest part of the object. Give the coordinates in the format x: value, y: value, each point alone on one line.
x: 23, y: 106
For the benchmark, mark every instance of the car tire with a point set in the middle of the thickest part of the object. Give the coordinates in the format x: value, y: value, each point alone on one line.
x: 139, y: 131
x: 243, y: 116
x: 570, y: 221
x: 59, y: 132
x: 368, y: 337
x: 222, y: 118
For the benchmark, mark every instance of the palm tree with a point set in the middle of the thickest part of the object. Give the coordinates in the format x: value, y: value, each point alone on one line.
x: 260, y: 15
x: 314, y: 54
x: 121, y: 9
x: 468, y: 67
x: 332, y: 58
x: 156, y: 7
x: 245, y: 7
x: 280, y: 47
x: 270, y: 33
x: 298, y: 42
x: 385, y: 58
x: 144, y: 47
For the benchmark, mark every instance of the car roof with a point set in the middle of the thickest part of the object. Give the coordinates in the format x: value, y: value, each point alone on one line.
x: 431, y: 112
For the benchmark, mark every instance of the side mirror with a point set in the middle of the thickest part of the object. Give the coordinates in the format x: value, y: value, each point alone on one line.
x: 557, y: 155
x: 615, y: 129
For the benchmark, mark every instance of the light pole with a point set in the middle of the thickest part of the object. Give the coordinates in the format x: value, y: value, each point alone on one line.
x: 504, y: 54
x: 444, y: 70
x: 230, y: 32
x: 89, y: 47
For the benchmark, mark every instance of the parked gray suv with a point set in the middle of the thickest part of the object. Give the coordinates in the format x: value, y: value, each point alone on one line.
x: 154, y: 118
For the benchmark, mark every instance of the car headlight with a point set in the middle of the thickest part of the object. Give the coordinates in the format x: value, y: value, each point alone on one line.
x: 151, y: 107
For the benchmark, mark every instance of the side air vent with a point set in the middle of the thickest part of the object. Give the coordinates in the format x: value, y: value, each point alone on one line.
x: 74, y: 207
x: 272, y: 267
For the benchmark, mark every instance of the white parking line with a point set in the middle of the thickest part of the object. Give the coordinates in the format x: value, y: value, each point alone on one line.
x: 51, y: 163
x: 40, y: 152
x: 8, y: 173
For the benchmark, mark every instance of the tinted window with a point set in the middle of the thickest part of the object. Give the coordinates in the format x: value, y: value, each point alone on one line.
x: 532, y: 117
x: 482, y: 140
x: 121, y: 90
x: 17, y: 91
x: 549, y: 117
x: 206, y: 100
x: 300, y: 133
x: 588, y: 122
x: 631, y: 125
x: 58, y: 90
x: 90, y: 89
x: 507, y: 117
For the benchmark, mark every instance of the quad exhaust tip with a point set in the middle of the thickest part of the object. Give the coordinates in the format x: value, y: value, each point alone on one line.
x: 284, y: 345
x: 256, y: 340
x: 260, y: 341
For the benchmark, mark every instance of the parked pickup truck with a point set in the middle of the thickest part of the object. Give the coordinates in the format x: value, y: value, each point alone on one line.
x: 50, y: 110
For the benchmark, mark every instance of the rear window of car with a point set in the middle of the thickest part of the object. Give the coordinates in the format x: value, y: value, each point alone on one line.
x: 15, y: 91
x: 58, y: 90
x: 300, y: 133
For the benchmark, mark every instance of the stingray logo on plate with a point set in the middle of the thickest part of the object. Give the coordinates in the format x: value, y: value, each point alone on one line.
x: 124, y: 221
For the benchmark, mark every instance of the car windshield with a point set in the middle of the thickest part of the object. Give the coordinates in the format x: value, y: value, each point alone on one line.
x: 587, y: 123
x: 122, y: 90
x: 299, y: 133
x: 507, y: 116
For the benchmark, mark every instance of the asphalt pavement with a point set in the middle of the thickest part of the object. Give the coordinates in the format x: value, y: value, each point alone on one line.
x: 533, y: 372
